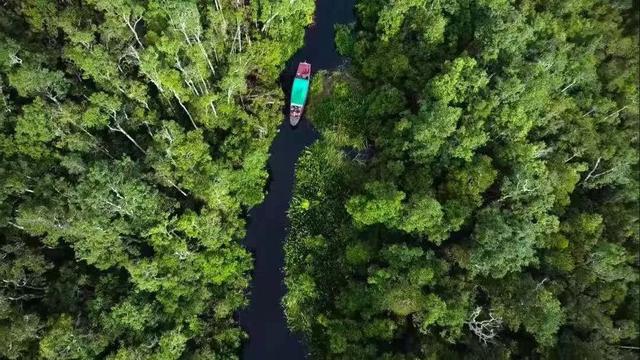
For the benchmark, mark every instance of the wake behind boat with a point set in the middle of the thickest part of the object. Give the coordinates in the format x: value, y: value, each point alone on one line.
x: 299, y: 92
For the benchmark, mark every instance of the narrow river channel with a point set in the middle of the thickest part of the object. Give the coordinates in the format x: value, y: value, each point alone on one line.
x: 263, y: 319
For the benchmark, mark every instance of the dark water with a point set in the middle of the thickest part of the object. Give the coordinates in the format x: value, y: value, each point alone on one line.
x: 263, y: 319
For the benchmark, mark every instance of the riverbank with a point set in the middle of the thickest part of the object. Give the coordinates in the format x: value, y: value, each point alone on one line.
x: 263, y: 319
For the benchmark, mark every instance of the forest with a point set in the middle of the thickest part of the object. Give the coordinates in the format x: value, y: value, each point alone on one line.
x: 474, y: 194
x: 133, y: 138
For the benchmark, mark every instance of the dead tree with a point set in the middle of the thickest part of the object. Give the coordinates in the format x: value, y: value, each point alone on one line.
x: 132, y: 27
x: 175, y: 94
x: 486, y: 330
x: 116, y: 127
x: 186, y: 77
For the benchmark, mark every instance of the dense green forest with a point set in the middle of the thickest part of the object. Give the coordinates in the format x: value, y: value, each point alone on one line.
x: 474, y: 193
x: 133, y: 138
x: 475, y: 190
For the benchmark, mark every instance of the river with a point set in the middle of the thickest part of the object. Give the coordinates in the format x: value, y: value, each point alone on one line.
x: 263, y: 319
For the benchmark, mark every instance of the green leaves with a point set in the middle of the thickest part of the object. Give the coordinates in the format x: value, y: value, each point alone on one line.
x: 424, y: 216
x: 497, y: 135
x: 380, y: 204
x: 249, y: 182
x: 34, y: 130
x: 610, y: 262
x: 524, y: 303
x: 344, y: 40
x: 460, y: 79
x: 391, y: 17
x: 507, y: 243
x: 63, y: 342
x: 181, y: 158
x: 431, y: 128
x: 134, y: 135
x: 130, y: 316
x: 35, y: 80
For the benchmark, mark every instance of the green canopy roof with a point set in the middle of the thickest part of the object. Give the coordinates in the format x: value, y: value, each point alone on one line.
x: 299, y: 91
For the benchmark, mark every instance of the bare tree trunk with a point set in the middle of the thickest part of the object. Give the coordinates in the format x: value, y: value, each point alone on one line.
x: 215, y: 113
x: 193, y: 87
x: 4, y: 101
x: 117, y: 207
x: 615, y: 112
x: 604, y: 172
x: 185, y: 109
x: 570, y: 158
x: 156, y: 82
x: 184, y: 32
x: 177, y: 188
x: 485, y: 330
x: 266, y: 24
x: 96, y: 142
x: 119, y: 129
x: 233, y: 45
x: 185, y: 77
x: 246, y: 36
x: 146, y: 124
x: 239, y: 36
x: 168, y: 135
x: 201, y: 88
x: 589, y: 112
x: 629, y: 347
x: 16, y: 225
x: 539, y: 285
x: 204, y: 84
x: 592, y: 171
x: 205, y: 55
x: 133, y: 28
x: 569, y: 86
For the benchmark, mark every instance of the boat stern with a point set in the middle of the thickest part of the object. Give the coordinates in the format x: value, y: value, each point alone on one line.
x: 295, y: 113
x: 294, y: 120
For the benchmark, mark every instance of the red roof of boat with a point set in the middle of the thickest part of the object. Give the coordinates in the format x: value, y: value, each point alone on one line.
x: 304, y: 69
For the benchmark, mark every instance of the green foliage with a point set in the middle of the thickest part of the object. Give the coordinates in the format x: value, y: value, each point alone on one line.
x: 525, y: 303
x: 424, y: 215
x: 489, y: 176
x: 505, y: 243
x: 380, y: 204
x: 133, y: 137
x: 344, y: 39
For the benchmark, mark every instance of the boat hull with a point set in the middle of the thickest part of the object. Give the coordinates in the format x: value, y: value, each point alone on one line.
x: 299, y: 92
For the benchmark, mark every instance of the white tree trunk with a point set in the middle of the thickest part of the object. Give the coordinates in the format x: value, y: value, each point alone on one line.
x: 185, y: 109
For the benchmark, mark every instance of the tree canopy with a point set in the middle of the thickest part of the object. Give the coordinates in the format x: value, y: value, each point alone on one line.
x: 133, y: 138
x: 475, y: 191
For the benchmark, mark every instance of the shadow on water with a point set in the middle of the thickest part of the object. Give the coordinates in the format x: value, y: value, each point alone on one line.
x: 263, y: 319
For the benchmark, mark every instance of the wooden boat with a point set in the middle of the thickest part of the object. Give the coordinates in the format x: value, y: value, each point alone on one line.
x: 299, y: 92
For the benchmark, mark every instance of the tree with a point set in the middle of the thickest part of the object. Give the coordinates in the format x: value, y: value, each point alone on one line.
x: 381, y: 204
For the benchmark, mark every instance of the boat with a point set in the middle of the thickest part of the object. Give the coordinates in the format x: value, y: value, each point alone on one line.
x: 299, y: 92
